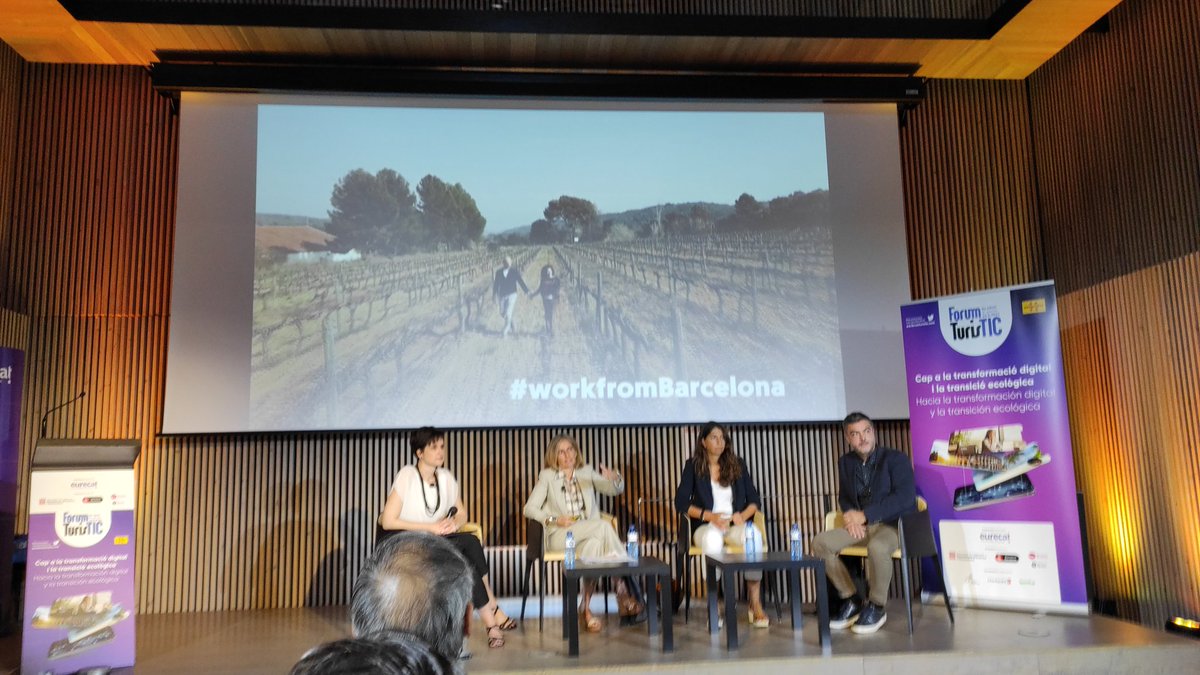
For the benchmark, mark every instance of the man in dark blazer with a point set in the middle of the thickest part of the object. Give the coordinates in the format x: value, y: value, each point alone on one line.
x: 875, y: 487
x: 504, y: 289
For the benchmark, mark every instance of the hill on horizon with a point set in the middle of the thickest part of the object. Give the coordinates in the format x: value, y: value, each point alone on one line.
x: 286, y: 220
x: 648, y: 214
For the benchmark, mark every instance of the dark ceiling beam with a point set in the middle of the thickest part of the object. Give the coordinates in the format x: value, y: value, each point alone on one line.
x: 288, y: 15
x: 1005, y: 13
x: 440, y: 64
x: 231, y: 76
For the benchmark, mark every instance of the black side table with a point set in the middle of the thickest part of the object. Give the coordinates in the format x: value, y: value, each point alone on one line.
x: 731, y: 563
x: 652, y: 570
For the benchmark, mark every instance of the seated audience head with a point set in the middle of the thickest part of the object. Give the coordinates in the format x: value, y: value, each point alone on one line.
x: 417, y: 583
x: 383, y: 653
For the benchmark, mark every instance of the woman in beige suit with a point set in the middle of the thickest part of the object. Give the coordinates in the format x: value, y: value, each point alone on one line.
x: 564, y: 500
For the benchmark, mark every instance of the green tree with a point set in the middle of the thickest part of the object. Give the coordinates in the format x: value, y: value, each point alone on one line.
x: 449, y: 214
x: 373, y: 213
x: 575, y: 218
x: 799, y: 209
x: 542, y: 232
x: 748, y: 210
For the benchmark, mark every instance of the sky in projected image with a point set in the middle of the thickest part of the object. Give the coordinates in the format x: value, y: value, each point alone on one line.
x: 514, y: 161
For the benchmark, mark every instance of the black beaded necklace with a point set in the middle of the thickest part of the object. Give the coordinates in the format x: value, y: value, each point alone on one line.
x: 437, y: 488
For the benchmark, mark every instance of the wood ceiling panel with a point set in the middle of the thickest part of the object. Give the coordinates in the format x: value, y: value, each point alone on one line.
x: 42, y: 31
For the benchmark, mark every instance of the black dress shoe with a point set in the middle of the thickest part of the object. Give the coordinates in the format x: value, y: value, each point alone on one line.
x: 873, y: 616
x: 634, y: 619
x: 846, y: 616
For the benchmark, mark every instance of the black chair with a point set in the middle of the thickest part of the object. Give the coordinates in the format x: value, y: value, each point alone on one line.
x: 535, y: 550
x: 916, y: 541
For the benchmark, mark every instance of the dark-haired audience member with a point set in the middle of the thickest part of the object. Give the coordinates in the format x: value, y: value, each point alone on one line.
x: 875, y: 488
x: 382, y: 653
x: 425, y: 497
x: 717, y: 493
x: 417, y: 583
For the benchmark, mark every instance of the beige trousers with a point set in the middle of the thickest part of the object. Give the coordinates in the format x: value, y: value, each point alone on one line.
x: 881, y: 541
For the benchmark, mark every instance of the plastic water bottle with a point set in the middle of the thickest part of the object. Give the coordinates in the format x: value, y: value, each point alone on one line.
x: 631, y: 543
x: 797, y: 552
x: 751, y: 548
x: 569, y: 553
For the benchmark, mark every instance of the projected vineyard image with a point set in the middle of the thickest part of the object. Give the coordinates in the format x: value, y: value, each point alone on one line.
x: 467, y: 267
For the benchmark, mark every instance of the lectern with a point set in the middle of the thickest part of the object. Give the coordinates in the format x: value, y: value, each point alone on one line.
x: 79, y: 584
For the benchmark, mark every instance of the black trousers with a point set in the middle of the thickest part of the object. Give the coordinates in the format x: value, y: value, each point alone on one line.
x: 472, y: 550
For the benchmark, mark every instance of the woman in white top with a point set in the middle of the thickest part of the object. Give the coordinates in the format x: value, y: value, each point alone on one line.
x: 425, y: 498
x: 717, y: 493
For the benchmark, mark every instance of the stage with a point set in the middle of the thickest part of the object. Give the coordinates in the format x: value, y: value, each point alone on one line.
x: 270, y: 641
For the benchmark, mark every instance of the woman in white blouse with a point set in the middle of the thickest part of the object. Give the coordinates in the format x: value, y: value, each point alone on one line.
x: 425, y: 498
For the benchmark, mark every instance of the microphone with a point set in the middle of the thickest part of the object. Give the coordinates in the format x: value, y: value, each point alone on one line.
x: 56, y: 408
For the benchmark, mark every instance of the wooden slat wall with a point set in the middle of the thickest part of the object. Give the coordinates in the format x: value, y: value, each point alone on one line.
x: 1117, y: 119
x: 1135, y: 418
x: 10, y: 112
x: 970, y: 194
x: 14, y: 329
x: 1117, y: 139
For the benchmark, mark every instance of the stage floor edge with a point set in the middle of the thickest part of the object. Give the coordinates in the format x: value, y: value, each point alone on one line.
x: 271, y: 641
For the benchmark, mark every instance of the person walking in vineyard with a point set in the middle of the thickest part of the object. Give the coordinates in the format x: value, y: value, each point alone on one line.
x: 548, y: 288
x: 504, y: 289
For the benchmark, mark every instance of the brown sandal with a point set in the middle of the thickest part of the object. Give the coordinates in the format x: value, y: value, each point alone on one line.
x: 504, y: 621
x: 496, y: 638
x: 589, y: 623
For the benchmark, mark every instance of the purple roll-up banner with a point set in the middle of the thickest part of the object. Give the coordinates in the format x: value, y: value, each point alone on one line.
x: 79, y: 585
x: 12, y: 362
x: 992, y: 447
x: 12, y: 366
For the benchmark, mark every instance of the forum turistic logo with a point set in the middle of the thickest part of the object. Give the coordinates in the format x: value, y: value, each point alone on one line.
x: 976, y: 325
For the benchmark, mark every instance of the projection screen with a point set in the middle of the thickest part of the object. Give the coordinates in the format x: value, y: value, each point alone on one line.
x: 340, y: 263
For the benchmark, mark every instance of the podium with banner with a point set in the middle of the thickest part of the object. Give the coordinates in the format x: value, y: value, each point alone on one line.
x: 79, y: 583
